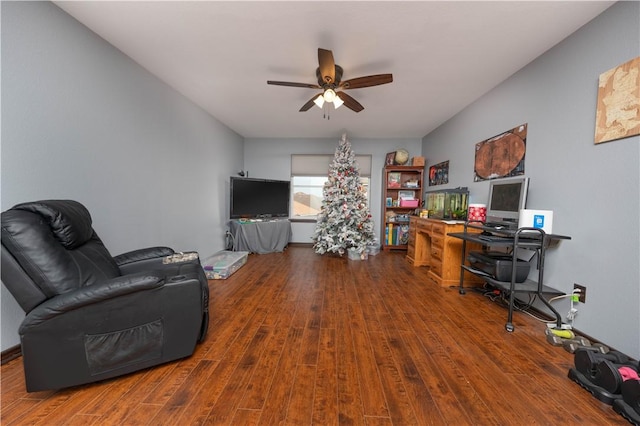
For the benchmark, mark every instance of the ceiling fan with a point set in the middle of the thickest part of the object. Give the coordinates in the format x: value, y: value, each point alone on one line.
x: 330, y: 82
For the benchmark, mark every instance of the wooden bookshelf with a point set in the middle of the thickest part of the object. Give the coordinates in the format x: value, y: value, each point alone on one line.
x: 398, y: 185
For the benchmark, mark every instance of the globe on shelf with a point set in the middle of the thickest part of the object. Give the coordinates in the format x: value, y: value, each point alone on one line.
x: 402, y: 157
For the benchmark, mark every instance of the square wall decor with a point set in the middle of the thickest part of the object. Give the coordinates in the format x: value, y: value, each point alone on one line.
x: 618, y: 108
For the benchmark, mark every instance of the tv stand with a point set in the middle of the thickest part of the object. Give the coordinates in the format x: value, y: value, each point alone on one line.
x: 260, y: 236
x: 530, y: 238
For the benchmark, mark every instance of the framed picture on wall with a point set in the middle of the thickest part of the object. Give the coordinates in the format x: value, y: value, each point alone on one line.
x: 439, y: 174
x: 502, y: 155
x: 388, y: 161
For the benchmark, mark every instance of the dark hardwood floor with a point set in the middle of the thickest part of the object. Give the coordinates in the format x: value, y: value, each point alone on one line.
x: 297, y: 338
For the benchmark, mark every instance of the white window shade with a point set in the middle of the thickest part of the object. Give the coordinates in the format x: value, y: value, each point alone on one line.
x: 318, y: 164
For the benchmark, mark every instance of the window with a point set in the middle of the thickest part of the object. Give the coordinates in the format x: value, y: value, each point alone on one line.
x: 308, y: 176
x: 306, y: 194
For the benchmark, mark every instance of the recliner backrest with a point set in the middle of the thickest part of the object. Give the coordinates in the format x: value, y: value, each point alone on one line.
x: 54, y: 243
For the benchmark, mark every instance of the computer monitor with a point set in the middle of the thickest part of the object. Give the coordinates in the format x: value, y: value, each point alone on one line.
x: 506, y: 198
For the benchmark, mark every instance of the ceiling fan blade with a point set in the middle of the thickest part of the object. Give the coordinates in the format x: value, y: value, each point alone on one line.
x: 327, y: 65
x: 368, y: 81
x: 290, y: 84
x: 349, y: 102
x: 309, y: 104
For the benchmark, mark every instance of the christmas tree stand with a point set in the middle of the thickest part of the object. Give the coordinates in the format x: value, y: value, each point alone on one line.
x: 354, y: 255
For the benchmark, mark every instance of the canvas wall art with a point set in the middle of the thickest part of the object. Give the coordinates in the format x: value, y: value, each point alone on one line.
x: 618, y: 107
x: 502, y: 155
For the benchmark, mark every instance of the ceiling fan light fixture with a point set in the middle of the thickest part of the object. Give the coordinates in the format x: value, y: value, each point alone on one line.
x: 329, y: 95
x: 319, y: 101
x: 329, y: 80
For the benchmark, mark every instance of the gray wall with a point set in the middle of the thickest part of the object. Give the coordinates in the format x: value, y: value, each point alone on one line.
x: 593, y: 189
x: 80, y: 120
x: 271, y: 158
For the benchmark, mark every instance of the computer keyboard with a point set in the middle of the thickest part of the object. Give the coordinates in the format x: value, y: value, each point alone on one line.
x: 494, y: 238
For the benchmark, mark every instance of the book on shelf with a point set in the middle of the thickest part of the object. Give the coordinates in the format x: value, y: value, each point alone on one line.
x: 396, y: 234
x: 403, y: 234
x: 393, y: 179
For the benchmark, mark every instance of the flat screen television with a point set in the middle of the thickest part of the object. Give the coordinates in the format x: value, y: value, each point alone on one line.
x: 506, y: 198
x: 259, y: 198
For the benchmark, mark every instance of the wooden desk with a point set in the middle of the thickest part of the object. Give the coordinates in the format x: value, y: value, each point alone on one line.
x: 430, y: 246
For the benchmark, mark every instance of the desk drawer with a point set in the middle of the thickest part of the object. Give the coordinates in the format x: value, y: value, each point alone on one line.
x: 436, y: 252
x: 423, y: 226
x: 411, y: 252
x: 438, y: 229
x: 436, y: 267
x: 437, y: 241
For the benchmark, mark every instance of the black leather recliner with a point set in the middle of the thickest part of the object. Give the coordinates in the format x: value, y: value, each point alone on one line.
x: 91, y: 316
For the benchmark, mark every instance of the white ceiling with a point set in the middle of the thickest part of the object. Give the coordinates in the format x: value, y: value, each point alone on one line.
x: 443, y: 55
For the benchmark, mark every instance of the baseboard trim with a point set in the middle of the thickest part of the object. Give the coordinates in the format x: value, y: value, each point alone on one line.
x: 551, y: 318
x: 547, y: 316
x: 10, y: 354
x: 301, y: 244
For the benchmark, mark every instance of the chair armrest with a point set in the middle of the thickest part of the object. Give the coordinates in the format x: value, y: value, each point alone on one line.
x: 142, y: 254
x: 85, y: 296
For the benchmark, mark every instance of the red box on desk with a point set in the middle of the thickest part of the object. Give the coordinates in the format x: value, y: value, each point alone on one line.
x: 408, y: 203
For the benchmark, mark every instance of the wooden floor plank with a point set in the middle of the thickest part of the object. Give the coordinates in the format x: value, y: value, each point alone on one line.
x: 246, y: 417
x: 325, y: 398
x: 140, y: 414
x: 84, y: 420
x: 257, y: 390
x: 144, y: 386
x: 41, y: 412
x: 176, y: 407
x: 441, y: 395
x: 14, y: 411
x: 223, y: 410
x: 400, y: 409
x: 278, y: 398
x: 350, y: 405
x: 311, y: 335
x: 300, y: 409
x: 417, y: 393
x: 373, y: 399
x: 203, y: 398
x: 304, y: 339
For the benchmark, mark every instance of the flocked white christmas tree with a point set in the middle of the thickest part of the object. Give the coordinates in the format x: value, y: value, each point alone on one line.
x: 344, y: 221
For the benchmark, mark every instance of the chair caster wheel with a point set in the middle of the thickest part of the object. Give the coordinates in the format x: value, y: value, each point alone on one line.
x: 461, y: 291
x: 509, y: 327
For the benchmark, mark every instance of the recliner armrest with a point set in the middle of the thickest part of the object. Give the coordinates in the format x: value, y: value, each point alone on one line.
x: 81, y: 297
x: 142, y: 254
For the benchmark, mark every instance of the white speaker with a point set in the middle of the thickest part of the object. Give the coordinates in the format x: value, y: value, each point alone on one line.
x: 542, y: 219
